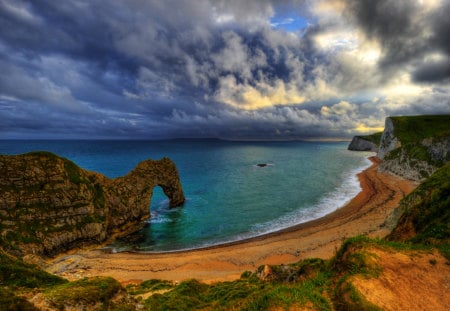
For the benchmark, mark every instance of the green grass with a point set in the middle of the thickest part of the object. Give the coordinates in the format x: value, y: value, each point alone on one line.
x: 313, y: 283
x: 374, y: 138
x: 93, y: 292
x: 316, y: 283
x: 291, y: 285
x: 151, y: 285
x: 243, y: 294
x: 410, y: 129
x: 427, y: 210
x: 415, y: 134
x: 15, y: 273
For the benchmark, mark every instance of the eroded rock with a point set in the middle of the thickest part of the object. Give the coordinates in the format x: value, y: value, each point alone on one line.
x: 49, y: 205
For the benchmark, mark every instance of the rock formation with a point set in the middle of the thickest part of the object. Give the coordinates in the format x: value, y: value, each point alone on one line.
x: 415, y: 147
x: 49, y: 205
x: 388, y: 140
x: 358, y: 143
x: 365, y: 143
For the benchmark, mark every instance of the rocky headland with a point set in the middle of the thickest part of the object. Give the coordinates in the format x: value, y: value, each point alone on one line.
x: 415, y: 147
x: 365, y: 143
x: 49, y: 205
x: 412, y: 147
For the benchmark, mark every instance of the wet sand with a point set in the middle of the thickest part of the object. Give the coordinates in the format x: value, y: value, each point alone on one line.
x: 364, y: 214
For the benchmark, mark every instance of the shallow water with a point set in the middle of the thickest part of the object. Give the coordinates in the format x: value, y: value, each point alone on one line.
x: 229, y: 197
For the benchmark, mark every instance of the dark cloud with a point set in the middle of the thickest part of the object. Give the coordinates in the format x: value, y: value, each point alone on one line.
x: 155, y: 69
x: 441, y: 27
x: 408, y: 31
x: 435, y: 71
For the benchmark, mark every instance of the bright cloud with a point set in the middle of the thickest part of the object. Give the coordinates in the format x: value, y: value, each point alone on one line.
x: 202, y: 68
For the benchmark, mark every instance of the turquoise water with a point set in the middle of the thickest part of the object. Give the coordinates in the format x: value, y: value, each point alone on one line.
x: 228, y: 196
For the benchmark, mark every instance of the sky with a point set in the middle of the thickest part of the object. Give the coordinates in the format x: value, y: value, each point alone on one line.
x: 256, y: 69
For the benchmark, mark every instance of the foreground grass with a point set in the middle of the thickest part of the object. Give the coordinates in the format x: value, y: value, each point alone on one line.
x: 311, y: 284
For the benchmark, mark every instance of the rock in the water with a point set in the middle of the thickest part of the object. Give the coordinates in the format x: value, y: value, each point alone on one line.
x: 49, y: 205
x: 261, y: 164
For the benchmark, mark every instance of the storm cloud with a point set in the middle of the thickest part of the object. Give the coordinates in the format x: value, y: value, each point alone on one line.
x: 230, y: 69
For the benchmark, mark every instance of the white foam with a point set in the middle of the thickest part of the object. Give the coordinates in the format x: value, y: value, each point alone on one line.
x: 159, y: 220
x: 332, y: 201
x: 328, y: 204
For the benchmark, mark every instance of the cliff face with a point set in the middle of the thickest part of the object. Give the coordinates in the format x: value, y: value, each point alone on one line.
x: 49, y: 205
x: 415, y: 147
x: 388, y: 140
x: 424, y: 215
x: 365, y: 143
x: 358, y: 143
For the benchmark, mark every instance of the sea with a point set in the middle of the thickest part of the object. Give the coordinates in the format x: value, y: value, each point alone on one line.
x: 228, y: 196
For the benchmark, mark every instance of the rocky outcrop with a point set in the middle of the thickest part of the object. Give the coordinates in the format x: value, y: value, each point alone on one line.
x: 388, y: 140
x: 49, y: 205
x: 358, y: 143
x: 403, y: 162
x: 411, y: 148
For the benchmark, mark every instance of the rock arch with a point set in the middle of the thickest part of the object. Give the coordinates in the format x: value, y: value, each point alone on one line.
x: 49, y: 205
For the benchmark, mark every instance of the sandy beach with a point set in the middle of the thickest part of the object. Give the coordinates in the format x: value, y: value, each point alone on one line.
x: 364, y: 214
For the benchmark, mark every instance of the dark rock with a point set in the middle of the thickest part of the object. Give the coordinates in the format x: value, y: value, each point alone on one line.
x: 49, y: 205
x: 261, y: 164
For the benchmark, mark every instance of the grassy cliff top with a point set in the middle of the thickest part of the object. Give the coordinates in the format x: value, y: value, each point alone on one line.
x: 415, y: 128
x: 374, y: 138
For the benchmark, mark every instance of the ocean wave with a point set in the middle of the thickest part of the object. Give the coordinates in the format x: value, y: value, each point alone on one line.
x: 331, y: 201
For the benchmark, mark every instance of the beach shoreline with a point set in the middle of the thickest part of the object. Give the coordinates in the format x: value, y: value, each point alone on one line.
x: 366, y: 213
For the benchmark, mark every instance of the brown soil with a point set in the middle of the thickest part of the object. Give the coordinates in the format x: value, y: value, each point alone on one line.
x: 408, y: 281
x: 364, y: 214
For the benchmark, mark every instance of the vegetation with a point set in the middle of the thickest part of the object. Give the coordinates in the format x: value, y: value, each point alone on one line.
x: 411, y: 129
x: 9, y: 301
x: 15, y: 273
x: 32, y: 218
x: 313, y: 284
x: 374, y: 138
x: 424, y: 141
x: 427, y: 211
x: 249, y: 293
x: 97, y: 292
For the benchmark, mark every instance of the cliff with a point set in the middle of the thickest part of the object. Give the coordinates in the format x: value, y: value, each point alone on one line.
x: 49, y: 205
x: 424, y: 215
x: 365, y: 143
x: 416, y: 146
